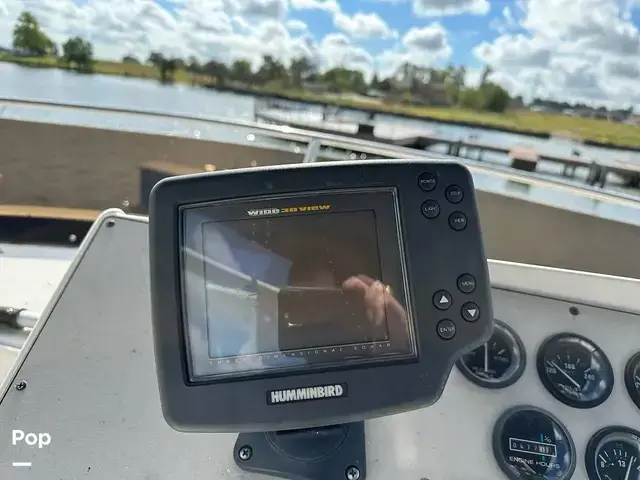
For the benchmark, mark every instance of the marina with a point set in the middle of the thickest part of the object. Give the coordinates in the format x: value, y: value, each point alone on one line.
x: 595, y: 171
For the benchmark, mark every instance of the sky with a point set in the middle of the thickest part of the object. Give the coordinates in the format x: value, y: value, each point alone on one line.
x: 575, y: 50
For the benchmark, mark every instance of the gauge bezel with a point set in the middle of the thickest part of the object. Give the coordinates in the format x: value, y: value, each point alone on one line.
x: 629, y: 373
x: 596, y: 440
x: 496, y: 440
x: 549, y: 385
x: 513, y: 374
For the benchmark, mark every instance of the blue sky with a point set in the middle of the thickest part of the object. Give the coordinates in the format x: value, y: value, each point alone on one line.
x: 581, y: 50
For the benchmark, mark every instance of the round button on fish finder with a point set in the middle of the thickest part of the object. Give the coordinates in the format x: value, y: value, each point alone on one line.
x: 286, y: 298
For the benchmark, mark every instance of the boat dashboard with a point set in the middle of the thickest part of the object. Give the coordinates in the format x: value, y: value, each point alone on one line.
x: 554, y: 393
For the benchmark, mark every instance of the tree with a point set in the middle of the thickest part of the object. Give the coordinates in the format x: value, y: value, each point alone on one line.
x: 271, y: 70
x: 343, y: 80
x: 166, y: 66
x: 241, y: 71
x: 193, y: 66
x: 494, y: 97
x: 130, y: 59
x: 28, y: 36
x: 301, y: 70
x: 79, y: 53
x: 488, y: 96
x: 486, y: 72
x: 218, y: 70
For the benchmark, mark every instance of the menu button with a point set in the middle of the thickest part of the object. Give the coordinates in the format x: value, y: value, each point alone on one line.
x: 466, y: 283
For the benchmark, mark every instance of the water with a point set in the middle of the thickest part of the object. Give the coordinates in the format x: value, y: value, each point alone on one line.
x: 139, y: 94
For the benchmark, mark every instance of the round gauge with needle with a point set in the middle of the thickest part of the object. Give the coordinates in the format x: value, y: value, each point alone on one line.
x: 632, y: 378
x: 613, y: 453
x: 498, y: 363
x: 575, y: 370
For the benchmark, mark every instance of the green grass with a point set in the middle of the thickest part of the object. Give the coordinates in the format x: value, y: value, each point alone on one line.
x: 523, y: 121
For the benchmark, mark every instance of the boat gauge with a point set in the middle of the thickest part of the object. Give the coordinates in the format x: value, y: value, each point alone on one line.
x: 613, y: 453
x: 530, y: 443
x: 498, y: 363
x: 632, y: 378
x: 575, y: 370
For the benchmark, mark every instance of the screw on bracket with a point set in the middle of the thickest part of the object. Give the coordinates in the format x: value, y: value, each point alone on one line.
x: 352, y: 473
x: 245, y: 453
x: 21, y: 385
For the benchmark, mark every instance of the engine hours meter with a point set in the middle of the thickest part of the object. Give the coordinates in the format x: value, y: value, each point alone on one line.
x: 530, y: 443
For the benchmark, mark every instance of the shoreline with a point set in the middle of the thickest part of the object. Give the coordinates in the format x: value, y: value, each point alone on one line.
x: 397, y: 110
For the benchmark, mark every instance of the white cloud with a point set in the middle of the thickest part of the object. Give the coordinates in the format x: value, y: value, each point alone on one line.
x: 338, y: 51
x: 436, y: 8
x: 363, y: 25
x: 326, y: 5
x: 296, y: 25
x: 359, y: 25
x: 506, y: 22
x: 576, y: 50
x: 276, y: 9
x: 419, y: 46
x: 515, y: 51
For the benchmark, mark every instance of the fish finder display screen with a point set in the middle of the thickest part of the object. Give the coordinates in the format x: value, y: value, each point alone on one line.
x: 275, y: 291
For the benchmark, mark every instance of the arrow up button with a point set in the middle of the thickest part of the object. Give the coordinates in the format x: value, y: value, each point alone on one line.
x: 470, y: 312
x: 442, y: 300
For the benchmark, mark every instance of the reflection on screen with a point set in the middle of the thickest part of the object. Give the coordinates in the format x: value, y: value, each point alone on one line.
x: 292, y: 284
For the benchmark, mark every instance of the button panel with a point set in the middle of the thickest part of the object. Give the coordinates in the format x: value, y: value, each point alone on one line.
x: 451, y: 207
x: 446, y: 329
x: 430, y: 209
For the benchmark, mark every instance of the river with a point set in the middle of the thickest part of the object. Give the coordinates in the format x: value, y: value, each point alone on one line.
x: 63, y: 86
x: 140, y: 94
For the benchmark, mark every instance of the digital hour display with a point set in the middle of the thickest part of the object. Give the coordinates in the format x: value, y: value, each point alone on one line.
x: 529, y: 446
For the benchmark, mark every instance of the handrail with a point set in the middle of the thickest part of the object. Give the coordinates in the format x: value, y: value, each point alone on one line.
x: 18, y: 317
x: 15, y: 325
x: 340, y: 142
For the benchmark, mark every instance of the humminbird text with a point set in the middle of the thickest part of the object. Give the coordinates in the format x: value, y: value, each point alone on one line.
x: 308, y: 393
x: 276, y: 211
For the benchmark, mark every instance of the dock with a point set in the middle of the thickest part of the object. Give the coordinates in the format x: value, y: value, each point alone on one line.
x: 598, y: 172
x: 360, y: 129
x: 527, y: 159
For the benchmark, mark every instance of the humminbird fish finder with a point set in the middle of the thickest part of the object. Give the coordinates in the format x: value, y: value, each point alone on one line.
x: 301, y: 300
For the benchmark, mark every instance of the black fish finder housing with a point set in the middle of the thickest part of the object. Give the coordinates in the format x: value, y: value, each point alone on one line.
x: 312, y: 295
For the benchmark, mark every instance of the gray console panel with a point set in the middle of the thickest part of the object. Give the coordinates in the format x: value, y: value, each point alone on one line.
x: 91, y: 380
